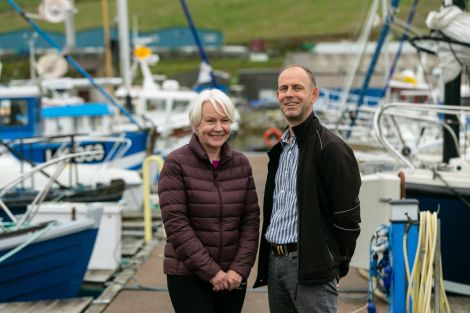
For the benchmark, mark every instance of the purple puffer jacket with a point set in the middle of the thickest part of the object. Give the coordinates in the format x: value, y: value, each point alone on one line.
x: 211, y: 217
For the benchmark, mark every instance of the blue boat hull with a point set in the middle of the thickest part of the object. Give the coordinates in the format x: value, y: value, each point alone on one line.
x: 50, y: 269
x: 132, y: 159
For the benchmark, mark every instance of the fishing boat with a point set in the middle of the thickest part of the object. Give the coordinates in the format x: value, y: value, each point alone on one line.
x: 102, y: 176
x: 79, y: 182
x: 429, y: 143
x: 106, y: 256
x: 46, y: 260
x: 23, y: 112
x: 439, y: 187
x: 164, y: 104
x: 36, y: 133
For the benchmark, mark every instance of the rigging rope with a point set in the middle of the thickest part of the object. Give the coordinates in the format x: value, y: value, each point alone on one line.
x: 380, y: 42
x: 403, y: 38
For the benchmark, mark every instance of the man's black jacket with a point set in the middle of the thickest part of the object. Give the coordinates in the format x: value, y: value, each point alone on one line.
x: 328, y: 183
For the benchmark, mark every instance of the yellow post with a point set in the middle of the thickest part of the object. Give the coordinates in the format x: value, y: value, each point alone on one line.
x: 146, y: 186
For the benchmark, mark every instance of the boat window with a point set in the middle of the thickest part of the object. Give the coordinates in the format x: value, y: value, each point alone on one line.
x: 13, y: 112
x: 180, y: 105
x: 77, y: 123
x: 94, y: 123
x: 156, y: 105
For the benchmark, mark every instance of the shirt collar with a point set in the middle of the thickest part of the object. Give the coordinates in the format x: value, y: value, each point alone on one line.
x: 285, y: 136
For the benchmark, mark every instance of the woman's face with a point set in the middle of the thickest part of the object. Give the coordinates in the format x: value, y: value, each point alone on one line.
x: 214, y: 128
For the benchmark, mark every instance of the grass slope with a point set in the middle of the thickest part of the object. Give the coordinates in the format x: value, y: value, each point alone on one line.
x: 239, y: 20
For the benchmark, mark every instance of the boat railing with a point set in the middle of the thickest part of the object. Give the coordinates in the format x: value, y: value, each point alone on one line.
x: 120, y: 147
x: 75, y: 143
x: 337, y: 115
x: 61, y: 162
x: 331, y: 98
x: 428, y: 113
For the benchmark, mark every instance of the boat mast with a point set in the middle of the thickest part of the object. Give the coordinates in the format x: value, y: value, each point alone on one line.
x: 452, y: 97
x: 373, y: 62
x: 32, y: 57
x: 53, y: 43
x: 70, y: 26
x: 107, y: 42
x: 124, y: 54
x: 202, y: 54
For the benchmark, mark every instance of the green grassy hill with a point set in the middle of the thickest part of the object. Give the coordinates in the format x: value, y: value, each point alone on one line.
x: 239, y: 20
x: 284, y: 24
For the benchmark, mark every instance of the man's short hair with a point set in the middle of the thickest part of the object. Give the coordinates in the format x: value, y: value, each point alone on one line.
x: 310, y: 75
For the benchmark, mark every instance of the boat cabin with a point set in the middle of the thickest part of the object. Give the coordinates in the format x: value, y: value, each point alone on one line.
x: 20, y: 112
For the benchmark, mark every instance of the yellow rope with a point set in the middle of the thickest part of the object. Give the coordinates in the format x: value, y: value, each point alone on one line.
x: 420, y: 280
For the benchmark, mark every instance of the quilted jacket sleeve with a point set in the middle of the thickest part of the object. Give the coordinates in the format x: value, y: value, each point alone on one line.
x: 173, y: 204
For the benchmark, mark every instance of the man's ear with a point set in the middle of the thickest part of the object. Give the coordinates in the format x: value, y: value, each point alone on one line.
x: 315, y: 93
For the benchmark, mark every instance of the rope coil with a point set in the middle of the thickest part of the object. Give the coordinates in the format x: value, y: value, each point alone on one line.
x: 420, y: 279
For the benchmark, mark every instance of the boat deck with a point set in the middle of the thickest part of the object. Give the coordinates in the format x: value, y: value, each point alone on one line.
x: 140, y: 286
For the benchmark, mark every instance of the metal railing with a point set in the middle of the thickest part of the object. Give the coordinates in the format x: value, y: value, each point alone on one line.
x: 34, y: 207
x: 147, y: 193
x: 421, y: 110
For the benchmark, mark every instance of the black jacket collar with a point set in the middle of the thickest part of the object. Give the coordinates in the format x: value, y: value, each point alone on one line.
x: 303, y: 130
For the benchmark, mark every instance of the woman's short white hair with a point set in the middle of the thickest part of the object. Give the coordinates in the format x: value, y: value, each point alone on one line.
x: 214, y: 96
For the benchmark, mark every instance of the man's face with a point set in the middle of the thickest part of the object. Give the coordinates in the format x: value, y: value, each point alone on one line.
x: 295, y: 95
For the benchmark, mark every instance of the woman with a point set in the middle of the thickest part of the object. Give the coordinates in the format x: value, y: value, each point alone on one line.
x: 210, y: 213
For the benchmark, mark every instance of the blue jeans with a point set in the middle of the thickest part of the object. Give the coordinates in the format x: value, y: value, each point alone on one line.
x: 287, y: 296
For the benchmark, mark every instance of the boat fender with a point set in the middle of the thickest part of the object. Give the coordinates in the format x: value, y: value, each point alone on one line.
x: 271, y: 136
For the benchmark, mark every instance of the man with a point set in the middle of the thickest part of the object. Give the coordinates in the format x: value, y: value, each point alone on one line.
x: 311, y: 206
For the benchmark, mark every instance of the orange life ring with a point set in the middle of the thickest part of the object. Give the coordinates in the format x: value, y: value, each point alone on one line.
x: 271, y: 136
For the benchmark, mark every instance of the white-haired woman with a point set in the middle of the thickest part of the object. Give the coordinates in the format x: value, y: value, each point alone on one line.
x: 210, y: 213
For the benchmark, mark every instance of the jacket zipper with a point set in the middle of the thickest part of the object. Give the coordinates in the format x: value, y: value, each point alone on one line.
x: 328, y: 246
x: 329, y: 252
x: 220, y: 217
x: 298, y: 216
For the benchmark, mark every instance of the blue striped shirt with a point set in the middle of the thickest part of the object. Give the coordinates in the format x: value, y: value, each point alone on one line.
x: 283, y: 226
